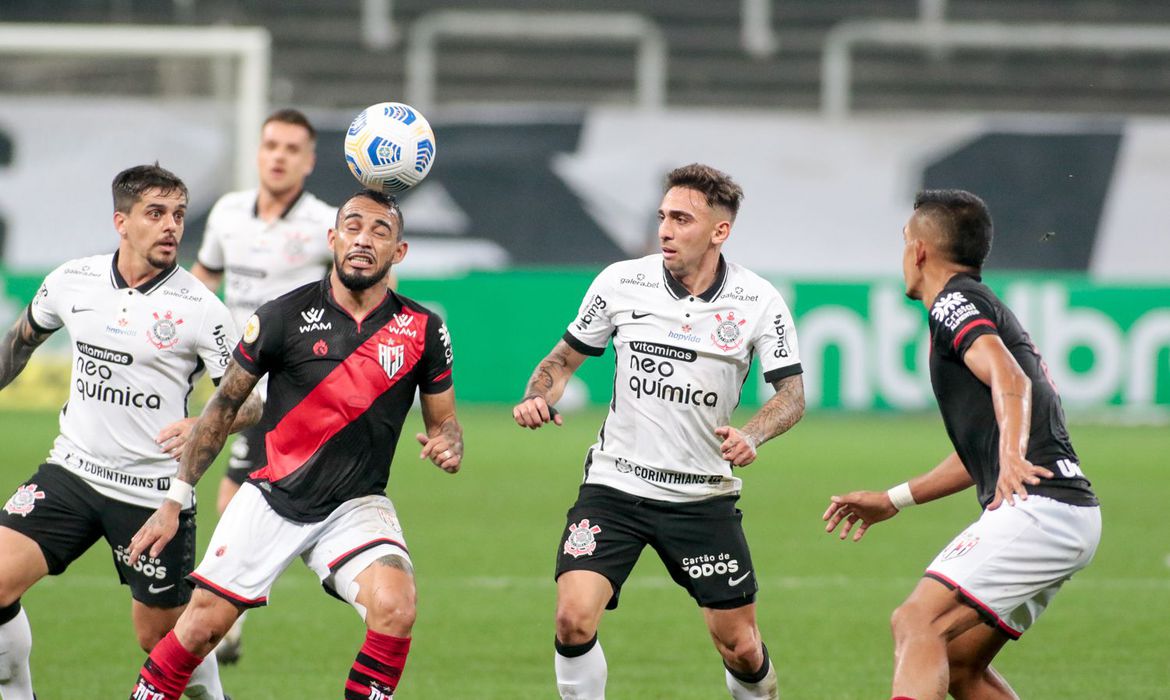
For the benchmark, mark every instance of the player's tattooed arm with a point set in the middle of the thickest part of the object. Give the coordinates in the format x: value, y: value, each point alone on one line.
x: 443, y: 441
x: 232, y: 403
x: 18, y: 345
x: 775, y: 417
x: 546, y: 386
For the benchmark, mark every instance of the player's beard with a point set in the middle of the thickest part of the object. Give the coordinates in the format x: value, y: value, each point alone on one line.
x: 357, y: 281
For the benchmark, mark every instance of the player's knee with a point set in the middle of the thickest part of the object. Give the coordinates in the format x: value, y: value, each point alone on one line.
x: 149, y: 637
x: 966, y: 678
x: 908, y: 617
x: 575, y: 624
x: 391, y: 611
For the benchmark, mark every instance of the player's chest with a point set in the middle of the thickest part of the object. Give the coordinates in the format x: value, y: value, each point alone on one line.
x: 271, y: 247
x: 135, y: 329
x: 707, y: 329
x: 323, y: 344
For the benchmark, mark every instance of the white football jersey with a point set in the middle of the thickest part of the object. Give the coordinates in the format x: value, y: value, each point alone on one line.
x: 137, y: 353
x: 681, y: 362
x: 262, y: 260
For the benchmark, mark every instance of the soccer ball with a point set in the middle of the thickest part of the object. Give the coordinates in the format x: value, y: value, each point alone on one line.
x: 390, y: 147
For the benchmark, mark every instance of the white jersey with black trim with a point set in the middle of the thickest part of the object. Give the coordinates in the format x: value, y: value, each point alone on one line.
x: 137, y: 352
x: 682, y: 360
x: 260, y: 259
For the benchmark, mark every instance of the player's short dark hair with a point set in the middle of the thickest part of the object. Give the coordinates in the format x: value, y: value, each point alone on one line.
x: 130, y: 184
x: 289, y: 115
x: 387, y: 200
x: 963, y: 221
x: 716, y: 185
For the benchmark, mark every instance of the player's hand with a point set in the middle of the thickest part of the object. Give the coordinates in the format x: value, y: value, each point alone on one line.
x: 156, y: 532
x: 738, y: 447
x: 860, y: 509
x: 441, y: 452
x: 173, y: 438
x: 1014, y: 473
x: 534, y: 412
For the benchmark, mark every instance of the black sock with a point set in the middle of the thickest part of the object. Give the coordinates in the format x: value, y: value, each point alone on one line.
x: 571, y: 651
x: 751, y: 678
x: 9, y: 611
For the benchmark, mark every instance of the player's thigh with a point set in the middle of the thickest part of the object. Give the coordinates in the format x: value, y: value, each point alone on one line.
x: 605, y: 533
x: 934, y: 607
x: 21, y: 565
x: 971, y: 652
x: 158, y: 582
x: 59, y: 513
x: 704, y: 548
x: 249, y: 549
x: 360, y: 550
x: 1011, y: 562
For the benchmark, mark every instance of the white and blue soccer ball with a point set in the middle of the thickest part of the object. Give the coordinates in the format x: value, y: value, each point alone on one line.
x: 390, y: 147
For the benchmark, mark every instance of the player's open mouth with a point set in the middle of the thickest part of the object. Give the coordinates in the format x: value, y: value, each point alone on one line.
x: 668, y: 252
x: 360, y: 261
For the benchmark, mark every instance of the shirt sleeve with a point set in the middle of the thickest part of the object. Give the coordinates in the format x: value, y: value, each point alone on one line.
x: 437, y: 358
x: 210, y: 253
x: 217, y: 338
x: 260, y: 348
x: 958, y: 317
x: 589, y: 333
x: 775, y: 342
x: 44, y: 311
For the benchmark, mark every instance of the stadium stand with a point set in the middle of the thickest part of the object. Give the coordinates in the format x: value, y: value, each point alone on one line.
x: 319, y: 58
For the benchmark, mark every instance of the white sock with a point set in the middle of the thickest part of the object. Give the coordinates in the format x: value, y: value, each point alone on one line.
x: 204, y: 683
x: 767, y: 688
x: 15, y: 647
x: 581, y: 675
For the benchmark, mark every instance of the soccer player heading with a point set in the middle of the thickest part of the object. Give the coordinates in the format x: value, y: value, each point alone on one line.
x: 685, y: 324
x: 1041, y: 522
x: 344, y: 356
x: 142, y: 331
x: 264, y: 242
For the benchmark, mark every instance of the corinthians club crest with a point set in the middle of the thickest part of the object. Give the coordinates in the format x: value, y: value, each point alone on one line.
x: 581, y: 539
x: 727, y: 335
x: 24, y: 500
x: 391, y: 358
x: 164, y: 332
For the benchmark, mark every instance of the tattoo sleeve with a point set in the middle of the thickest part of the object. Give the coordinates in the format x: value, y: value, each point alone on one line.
x: 18, y: 345
x: 218, y: 417
x: 550, y: 376
x: 453, y: 432
x: 780, y: 412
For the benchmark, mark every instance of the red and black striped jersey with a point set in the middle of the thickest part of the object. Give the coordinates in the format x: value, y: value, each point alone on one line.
x: 338, y: 392
x: 964, y: 310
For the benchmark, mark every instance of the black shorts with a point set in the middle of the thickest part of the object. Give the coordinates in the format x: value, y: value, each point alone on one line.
x: 701, y: 543
x: 247, y: 454
x: 65, y: 517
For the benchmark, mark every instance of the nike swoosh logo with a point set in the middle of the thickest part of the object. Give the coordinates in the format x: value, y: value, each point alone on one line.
x: 77, y: 310
x: 635, y: 315
x: 736, y: 581
x: 152, y: 589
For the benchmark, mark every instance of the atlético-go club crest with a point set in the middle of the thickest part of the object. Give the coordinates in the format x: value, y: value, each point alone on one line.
x: 963, y: 543
x: 391, y: 358
x: 727, y: 335
x: 581, y: 540
x: 24, y: 500
x: 164, y: 332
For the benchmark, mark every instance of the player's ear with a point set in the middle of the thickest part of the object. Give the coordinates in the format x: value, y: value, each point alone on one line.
x: 722, y: 232
x: 399, y: 252
x: 120, y: 223
x: 331, y: 236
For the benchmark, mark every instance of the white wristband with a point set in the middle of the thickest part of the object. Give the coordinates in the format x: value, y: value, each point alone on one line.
x: 900, y: 496
x: 180, y: 492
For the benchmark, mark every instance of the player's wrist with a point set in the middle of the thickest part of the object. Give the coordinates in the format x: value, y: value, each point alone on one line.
x: 901, y: 497
x: 180, y: 492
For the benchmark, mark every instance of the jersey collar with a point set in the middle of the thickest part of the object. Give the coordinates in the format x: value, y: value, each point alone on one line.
x: 327, y: 292
x: 146, y: 287
x: 678, y: 291
x: 284, y: 214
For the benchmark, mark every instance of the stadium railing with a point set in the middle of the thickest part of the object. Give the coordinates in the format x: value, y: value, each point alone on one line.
x: 625, y: 27
x: 938, y: 35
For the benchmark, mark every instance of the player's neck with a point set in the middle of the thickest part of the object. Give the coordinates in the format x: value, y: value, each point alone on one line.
x: 135, y: 270
x: 935, y: 279
x: 356, y: 303
x: 701, y: 278
x: 272, y: 205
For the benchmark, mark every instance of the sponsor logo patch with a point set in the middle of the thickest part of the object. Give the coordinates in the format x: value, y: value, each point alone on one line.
x: 581, y: 540
x: 321, y: 348
x: 312, y: 318
x: 252, y: 329
x: 24, y: 500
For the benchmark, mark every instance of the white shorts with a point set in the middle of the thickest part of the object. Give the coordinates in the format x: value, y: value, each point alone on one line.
x: 1011, y: 562
x: 252, y: 545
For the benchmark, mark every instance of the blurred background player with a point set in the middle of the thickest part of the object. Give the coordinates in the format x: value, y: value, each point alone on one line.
x: 265, y: 242
x: 142, y: 331
x: 338, y: 397
x: 1007, y: 425
x: 685, y: 325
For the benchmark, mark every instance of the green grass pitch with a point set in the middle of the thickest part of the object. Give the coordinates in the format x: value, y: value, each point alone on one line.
x: 483, y: 544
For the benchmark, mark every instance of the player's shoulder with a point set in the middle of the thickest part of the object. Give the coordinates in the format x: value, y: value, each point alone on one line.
x: 239, y: 200
x: 635, y: 272
x: 746, y: 286
x: 297, y: 299
x: 183, y: 286
x: 960, y: 291
x: 416, y: 308
x: 88, y: 268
